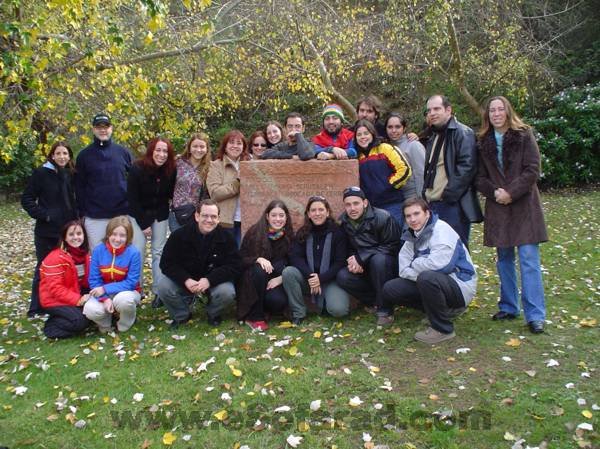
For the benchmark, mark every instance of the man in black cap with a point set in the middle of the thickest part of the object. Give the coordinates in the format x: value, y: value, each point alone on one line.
x: 374, y: 237
x: 101, y: 179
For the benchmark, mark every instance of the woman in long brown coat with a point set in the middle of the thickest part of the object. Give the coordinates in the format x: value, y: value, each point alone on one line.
x: 509, y: 167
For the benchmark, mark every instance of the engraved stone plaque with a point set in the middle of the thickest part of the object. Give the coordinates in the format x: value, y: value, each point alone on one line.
x: 293, y: 182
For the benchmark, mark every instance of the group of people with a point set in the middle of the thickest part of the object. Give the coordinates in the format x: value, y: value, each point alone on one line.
x: 402, y: 240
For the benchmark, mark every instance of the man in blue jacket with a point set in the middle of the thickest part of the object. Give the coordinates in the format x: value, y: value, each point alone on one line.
x: 101, y: 180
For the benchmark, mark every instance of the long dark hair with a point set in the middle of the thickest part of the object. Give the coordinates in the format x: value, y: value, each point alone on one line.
x: 259, y: 230
x: 371, y: 128
x: 391, y: 115
x: 308, y: 225
x: 62, y: 244
x: 61, y: 143
x: 147, y: 161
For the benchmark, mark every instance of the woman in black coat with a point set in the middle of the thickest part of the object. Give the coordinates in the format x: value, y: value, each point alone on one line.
x: 150, y: 185
x: 265, y: 251
x: 318, y: 253
x: 49, y: 198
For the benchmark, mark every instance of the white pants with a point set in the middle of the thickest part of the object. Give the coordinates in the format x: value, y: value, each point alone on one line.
x: 124, y: 302
x: 157, y: 243
x: 95, y: 228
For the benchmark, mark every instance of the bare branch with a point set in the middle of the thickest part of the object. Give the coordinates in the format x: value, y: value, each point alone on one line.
x: 567, y: 9
x: 458, y: 66
x: 199, y: 46
x: 335, y: 94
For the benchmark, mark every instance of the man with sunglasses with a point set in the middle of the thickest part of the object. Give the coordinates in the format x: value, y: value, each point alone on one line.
x: 374, y: 237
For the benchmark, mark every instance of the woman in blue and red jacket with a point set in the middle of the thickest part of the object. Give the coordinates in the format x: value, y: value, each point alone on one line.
x: 383, y: 171
x: 64, y: 283
x: 114, y: 278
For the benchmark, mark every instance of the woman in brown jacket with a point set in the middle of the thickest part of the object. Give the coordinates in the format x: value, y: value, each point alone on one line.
x: 509, y: 167
x: 223, y: 180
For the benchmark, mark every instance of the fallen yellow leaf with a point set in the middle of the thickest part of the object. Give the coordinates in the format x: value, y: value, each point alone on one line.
x: 168, y: 439
x: 434, y: 397
x: 285, y: 325
x: 513, y: 342
x: 236, y: 372
x: 588, y: 322
x: 179, y: 374
x: 587, y: 414
x: 293, y: 351
x: 222, y: 415
x: 303, y: 426
x: 317, y: 334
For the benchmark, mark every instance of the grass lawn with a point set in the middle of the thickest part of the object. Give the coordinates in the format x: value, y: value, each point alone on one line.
x: 491, y: 387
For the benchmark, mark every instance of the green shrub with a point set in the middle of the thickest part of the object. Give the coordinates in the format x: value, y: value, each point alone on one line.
x: 14, y: 174
x: 569, y: 137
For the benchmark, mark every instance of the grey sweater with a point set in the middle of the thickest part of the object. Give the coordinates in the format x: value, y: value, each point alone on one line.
x: 302, y: 148
x: 415, y: 154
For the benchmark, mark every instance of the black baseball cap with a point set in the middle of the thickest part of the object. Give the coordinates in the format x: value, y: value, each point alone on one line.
x: 101, y: 119
x: 354, y: 191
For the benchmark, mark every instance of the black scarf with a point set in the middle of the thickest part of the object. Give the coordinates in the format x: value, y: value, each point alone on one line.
x: 431, y: 167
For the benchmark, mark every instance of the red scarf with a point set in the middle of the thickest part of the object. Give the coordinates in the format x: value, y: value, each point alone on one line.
x: 78, y: 254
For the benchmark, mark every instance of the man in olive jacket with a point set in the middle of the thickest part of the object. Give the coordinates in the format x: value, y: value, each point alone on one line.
x: 450, y: 169
x: 374, y: 237
x: 199, y: 260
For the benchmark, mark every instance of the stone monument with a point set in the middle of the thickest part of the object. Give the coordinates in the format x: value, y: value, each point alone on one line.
x: 293, y: 182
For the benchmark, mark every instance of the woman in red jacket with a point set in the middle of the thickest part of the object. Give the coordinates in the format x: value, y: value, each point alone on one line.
x: 64, y: 283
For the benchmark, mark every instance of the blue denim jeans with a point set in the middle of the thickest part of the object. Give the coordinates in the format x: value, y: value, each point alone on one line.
x: 532, y: 288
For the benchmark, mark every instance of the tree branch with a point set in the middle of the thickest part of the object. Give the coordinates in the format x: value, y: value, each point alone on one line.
x: 458, y: 66
x: 326, y: 79
x: 197, y: 47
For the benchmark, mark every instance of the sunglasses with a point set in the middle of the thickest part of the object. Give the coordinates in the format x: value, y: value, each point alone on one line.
x: 259, y: 144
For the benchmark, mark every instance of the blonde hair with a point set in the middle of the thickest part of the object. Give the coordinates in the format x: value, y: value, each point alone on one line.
x: 114, y: 223
x: 513, y: 120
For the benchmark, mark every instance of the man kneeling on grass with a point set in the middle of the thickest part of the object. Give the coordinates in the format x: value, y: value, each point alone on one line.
x: 200, y: 260
x: 436, y: 273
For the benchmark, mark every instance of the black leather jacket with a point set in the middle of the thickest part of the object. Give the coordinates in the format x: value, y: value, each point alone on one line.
x: 460, y: 162
x: 377, y: 233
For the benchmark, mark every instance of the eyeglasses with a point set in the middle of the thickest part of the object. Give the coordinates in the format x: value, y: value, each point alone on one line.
x: 259, y: 144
